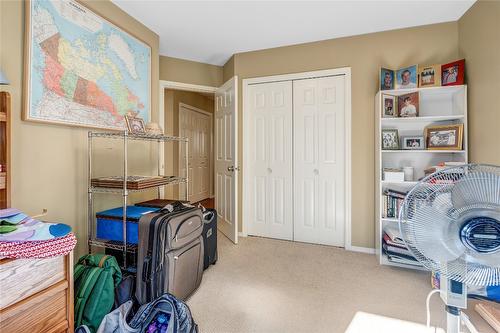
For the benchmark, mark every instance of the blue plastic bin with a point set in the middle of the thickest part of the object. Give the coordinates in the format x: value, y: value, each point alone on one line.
x: 110, y: 223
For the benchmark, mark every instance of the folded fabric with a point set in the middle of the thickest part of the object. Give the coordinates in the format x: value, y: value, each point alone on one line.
x: 11, y: 216
x: 17, y: 226
x: 38, y: 249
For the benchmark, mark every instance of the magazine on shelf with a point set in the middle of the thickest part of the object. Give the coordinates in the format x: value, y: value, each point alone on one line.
x: 394, y: 235
x: 396, y: 250
x: 389, y: 241
x: 399, y: 260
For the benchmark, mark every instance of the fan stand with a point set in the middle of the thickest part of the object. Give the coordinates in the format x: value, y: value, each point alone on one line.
x: 454, y: 295
x: 452, y: 319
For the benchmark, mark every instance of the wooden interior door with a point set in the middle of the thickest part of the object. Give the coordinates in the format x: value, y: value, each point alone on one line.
x: 269, y: 182
x: 319, y: 153
x: 196, y: 125
x: 226, y: 159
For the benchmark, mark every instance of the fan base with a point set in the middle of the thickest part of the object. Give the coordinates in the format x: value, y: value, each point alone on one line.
x: 452, y: 319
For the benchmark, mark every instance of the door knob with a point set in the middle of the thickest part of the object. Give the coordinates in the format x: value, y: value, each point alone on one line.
x: 230, y: 168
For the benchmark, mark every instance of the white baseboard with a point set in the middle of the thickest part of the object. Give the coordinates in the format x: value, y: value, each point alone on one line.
x: 241, y: 234
x: 361, y: 249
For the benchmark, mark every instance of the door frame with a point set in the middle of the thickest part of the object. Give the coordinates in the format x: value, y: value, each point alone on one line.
x: 211, y: 193
x: 163, y: 84
x: 346, y: 71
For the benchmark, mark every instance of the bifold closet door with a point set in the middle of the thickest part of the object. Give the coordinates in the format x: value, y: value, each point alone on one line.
x: 318, y: 131
x: 269, y: 182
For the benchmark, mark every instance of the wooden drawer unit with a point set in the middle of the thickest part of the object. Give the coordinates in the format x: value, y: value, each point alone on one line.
x: 36, y: 295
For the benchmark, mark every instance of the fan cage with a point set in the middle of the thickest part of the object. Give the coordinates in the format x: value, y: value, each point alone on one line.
x: 434, y: 212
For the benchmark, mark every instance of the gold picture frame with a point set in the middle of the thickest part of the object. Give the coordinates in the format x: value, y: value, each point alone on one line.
x: 135, y: 125
x: 444, y: 137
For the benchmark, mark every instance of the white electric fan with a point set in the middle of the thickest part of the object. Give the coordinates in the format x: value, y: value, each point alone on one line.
x: 450, y: 222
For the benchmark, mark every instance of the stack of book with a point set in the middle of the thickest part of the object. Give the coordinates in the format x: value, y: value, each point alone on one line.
x: 392, y: 201
x: 395, y: 249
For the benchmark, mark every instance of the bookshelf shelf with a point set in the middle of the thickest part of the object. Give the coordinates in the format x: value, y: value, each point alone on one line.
x: 437, y: 105
x: 424, y: 151
x: 422, y: 119
x: 388, y: 182
x: 434, y: 91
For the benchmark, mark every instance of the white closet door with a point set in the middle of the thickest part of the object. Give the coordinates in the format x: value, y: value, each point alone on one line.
x: 318, y: 111
x: 269, y: 185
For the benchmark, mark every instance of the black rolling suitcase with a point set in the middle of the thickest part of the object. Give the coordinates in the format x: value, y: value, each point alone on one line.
x: 209, y: 237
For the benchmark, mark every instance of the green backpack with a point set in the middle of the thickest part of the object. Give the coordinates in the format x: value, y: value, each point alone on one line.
x: 96, y: 276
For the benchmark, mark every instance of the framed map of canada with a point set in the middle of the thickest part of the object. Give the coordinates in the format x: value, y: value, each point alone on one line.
x: 82, y: 70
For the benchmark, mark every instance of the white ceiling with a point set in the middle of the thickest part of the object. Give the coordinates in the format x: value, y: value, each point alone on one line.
x: 212, y: 31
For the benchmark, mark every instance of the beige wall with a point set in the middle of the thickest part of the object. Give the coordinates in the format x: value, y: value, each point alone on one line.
x: 479, y: 44
x: 365, y: 55
x: 49, y: 161
x: 171, y: 125
x: 228, y: 69
x: 185, y: 71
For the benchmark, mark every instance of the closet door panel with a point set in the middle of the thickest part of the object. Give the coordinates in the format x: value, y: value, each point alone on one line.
x: 305, y: 158
x: 318, y: 163
x: 331, y: 113
x: 270, y: 196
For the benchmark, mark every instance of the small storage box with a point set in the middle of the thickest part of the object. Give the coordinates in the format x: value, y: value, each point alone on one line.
x: 110, y: 223
x: 394, y: 176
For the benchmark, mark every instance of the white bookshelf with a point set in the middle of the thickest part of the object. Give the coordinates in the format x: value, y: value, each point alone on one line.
x: 437, y: 106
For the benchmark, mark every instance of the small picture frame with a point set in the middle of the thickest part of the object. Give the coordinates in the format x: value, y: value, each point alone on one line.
x: 135, y: 125
x: 386, y: 79
x: 413, y: 142
x: 406, y: 78
x: 429, y: 76
x: 452, y: 74
x: 389, y: 106
x: 390, y: 139
x: 408, y: 105
x: 444, y: 137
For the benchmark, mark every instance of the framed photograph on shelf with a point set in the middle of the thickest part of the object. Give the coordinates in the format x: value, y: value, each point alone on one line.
x: 453, y: 73
x: 406, y: 78
x: 430, y: 76
x: 390, y: 139
x: 390, y: 108
x: 413, y: 142
x: 444, y: 137
x: 135, y: 125
x: 408, y: 105
x: 386, y: 79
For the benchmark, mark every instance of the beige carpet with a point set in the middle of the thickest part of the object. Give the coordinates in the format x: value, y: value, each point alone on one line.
x: 264, y: 285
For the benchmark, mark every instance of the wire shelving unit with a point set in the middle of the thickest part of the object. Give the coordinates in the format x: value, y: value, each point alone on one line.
x: 126, y: 137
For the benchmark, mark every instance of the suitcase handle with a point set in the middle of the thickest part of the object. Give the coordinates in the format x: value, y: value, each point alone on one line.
x: 208, y: 216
